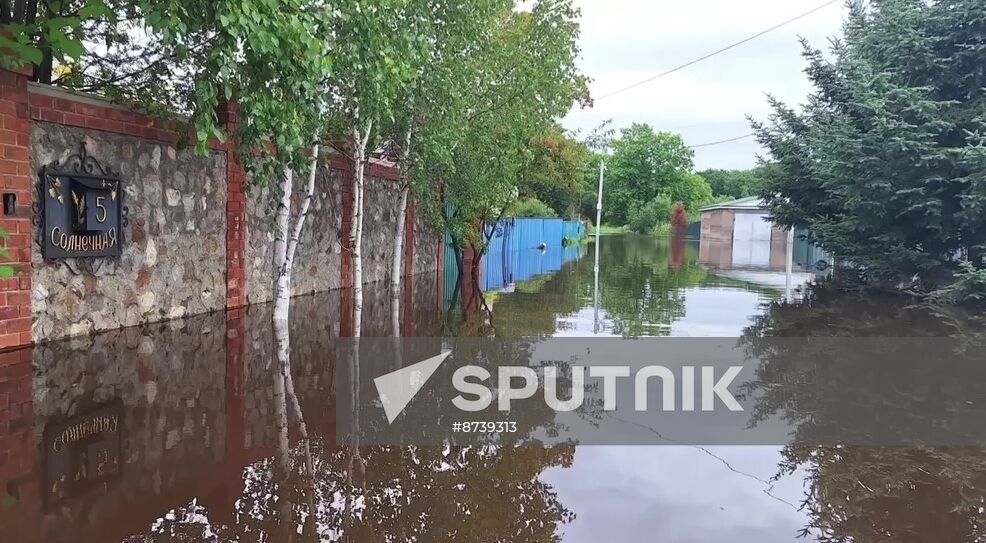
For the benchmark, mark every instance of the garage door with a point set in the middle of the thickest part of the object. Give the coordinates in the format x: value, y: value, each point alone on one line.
x: 751, y: 240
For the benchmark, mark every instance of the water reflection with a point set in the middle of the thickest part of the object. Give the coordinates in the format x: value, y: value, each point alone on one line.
x: 210, y: 445
x: 899, y: 494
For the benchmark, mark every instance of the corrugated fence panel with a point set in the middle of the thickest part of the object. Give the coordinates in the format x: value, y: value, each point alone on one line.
x: 514, y: 253
x: 571, y: 253
x: 573, y: 230
x: 806, y: 254
x: 529, y: 233
x: 553, y: 232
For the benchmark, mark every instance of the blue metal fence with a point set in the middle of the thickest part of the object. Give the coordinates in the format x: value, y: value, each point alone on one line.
x: 520, y: 249
x: 573, y: 230
x: 531, y: 233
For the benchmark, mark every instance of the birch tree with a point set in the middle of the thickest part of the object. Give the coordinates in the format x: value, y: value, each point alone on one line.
x: 372, y: 64
x: 271, y: 57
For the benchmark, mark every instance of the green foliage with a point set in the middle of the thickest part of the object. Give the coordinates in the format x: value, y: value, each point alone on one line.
x: 692, y: 191
x: 647, y: 164
x: 377, y: 51
x: 968, y: 286
x: 646, y: 217
x: 589, y: 191
x: 521, y: 75
x: 39, y: 33
x: 272, y: 56
x: 734, y: 183
x: 6, y: 272
x: 886, y: 164
x: 644, y: 164
x: 530, y: 207
x: 606, y: 229
x: 556, y: 171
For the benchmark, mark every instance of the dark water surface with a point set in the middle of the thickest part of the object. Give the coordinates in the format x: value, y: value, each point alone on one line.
x: 169, y: 432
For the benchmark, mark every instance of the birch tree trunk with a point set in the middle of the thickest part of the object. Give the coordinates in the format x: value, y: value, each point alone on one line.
x: 285, y: 247
x: 399, y: 234
x: 360, y: 141
x: 282, y: 465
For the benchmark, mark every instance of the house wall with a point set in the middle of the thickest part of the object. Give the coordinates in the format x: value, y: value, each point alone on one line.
x: 778, y: 248
x: 716, y: 246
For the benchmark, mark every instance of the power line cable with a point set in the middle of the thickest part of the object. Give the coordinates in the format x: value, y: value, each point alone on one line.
x: 714, y: 53
x: 711, y: 143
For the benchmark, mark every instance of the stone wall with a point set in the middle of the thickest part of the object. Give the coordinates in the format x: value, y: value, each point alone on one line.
x: 318, y: 265
x: 427, y: 243
x: 192, y: 241
x: 174, y: 253
x: 196, y: 406
x: 379, y: 226
x: 318, y: 260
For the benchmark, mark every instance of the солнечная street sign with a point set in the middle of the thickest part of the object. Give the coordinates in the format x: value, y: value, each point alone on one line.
x: 81, y: 208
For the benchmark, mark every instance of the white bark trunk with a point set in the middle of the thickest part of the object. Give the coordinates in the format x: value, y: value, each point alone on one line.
x: 285, y: 247
x: 399, y: 234
x: 288, y: 236
x: 281, y: 296
x: 360, y: 141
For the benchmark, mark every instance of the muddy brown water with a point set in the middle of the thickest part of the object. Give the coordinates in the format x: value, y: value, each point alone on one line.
x: 168, y: 432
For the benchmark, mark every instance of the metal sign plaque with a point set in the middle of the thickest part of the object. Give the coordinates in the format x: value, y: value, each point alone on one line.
x: 81, y: 208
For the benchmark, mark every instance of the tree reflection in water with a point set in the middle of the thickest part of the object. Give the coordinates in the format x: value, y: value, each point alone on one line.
x: 868, y: 493
x: 408, y: 494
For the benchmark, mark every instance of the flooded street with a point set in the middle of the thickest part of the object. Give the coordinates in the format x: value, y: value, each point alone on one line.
x: 169, y: 432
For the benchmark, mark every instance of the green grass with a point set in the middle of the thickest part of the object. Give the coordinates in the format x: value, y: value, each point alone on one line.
x: 662, y: 230
x: 606, y: 229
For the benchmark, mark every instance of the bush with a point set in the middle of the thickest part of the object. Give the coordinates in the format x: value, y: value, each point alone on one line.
x: 530, y: 207
x: 645, y: 218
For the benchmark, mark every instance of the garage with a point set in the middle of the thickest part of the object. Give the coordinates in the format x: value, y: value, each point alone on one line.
x: 751, y: 240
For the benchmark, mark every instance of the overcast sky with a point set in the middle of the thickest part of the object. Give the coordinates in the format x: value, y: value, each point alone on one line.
x: 624, y: 41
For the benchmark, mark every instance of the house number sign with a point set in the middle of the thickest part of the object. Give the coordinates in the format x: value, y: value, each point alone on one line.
x: 82, y: 208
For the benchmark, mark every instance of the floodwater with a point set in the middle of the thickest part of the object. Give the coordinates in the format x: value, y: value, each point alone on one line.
x: 169, y: 432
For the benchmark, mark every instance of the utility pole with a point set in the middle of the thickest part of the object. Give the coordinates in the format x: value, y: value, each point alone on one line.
x: 599, y: 218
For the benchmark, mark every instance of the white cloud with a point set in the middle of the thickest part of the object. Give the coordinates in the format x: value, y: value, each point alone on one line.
x: 625, y: 41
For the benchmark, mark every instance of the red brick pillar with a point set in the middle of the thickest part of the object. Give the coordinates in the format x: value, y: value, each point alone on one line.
x: 235, y: 213
x: 15, y: 178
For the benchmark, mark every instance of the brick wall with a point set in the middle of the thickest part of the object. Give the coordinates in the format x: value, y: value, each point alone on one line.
x: 15, y: 294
